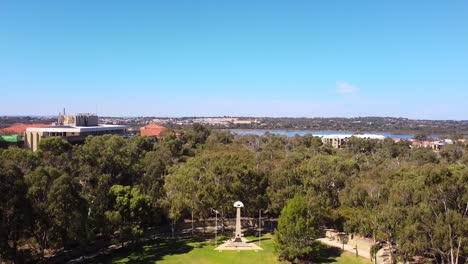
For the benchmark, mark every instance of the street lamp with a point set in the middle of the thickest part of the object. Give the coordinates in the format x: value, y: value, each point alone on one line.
x: 216, y: 225
x: 260, y: 227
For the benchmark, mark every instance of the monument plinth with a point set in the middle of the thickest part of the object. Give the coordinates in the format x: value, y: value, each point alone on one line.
x: 238, y: 242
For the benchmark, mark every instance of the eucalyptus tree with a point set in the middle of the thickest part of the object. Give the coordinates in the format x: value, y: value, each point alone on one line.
x: 132, y: 211
x: 14, y: 210
x: 58, y: 210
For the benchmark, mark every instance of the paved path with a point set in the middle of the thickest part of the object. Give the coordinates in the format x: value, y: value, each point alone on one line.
x: 349, y: 248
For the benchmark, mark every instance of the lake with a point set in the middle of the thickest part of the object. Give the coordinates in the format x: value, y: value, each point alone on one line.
x: 291, y: 133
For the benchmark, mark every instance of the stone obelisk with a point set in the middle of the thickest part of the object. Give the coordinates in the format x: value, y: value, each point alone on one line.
x: 238, y: 242
x: 238, y: 235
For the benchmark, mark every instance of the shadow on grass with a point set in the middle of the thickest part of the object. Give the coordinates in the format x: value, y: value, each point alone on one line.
x: 150, y: 252
x: 257, y: 239
x: 327, y: 255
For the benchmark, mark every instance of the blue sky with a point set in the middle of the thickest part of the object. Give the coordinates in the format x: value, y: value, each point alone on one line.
x: 243, y: 58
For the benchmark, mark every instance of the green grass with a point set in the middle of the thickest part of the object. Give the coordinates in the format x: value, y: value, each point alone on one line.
x: 201, y: 251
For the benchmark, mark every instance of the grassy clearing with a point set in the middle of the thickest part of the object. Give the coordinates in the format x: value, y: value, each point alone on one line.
x: 201, y: 251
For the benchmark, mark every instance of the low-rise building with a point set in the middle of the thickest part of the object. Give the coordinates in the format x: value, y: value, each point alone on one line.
x: 152, y: 130
x: 73, y: 128
x: 435, y: 145
x: 338, y: 141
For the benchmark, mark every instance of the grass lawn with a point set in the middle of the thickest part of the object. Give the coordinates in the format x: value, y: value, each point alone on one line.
x: 201, y: 251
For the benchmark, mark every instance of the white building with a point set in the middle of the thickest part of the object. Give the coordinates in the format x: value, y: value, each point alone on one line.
x: 338, y: 141
x: 74, y: 134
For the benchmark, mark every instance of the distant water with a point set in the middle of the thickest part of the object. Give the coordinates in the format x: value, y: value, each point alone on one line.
x: 291, y: 133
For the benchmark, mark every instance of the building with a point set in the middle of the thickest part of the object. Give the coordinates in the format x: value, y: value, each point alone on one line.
x: 338, y: 141
x: 13, y: 135
x: 434, y: 145
x: 11, y: 140
x: 151, y: 130
x: 73, y: 128
x: 19, y: 129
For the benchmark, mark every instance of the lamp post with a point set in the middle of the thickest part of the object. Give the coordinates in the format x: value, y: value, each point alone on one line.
x: 216, y: 226
x: 260, y: 227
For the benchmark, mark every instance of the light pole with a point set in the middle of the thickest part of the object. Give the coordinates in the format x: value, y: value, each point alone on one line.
x: 260, y: 227
x: 216, y: 226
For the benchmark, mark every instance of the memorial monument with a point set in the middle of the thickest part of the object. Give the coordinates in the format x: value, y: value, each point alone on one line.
x: 238, y: 242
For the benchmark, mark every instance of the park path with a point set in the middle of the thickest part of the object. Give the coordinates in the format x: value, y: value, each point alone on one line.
x: 349, y: 248
x: 382, y: 254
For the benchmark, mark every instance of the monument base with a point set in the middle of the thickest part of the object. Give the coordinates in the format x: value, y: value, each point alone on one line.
x: 235, y: 244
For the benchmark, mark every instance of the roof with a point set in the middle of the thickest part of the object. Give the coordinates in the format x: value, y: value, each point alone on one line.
x: 76, y: 128
x: 20, y: 128
x: 10, y: 138
x: 428, y: 143
x: 152, y: 130
x: 365, y: 136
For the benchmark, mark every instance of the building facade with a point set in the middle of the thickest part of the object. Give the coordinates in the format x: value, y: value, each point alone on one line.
x: 73, y: 128
x: 339, y: 141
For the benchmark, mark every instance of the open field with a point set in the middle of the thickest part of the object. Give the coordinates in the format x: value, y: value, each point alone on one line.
x: 200, y: 251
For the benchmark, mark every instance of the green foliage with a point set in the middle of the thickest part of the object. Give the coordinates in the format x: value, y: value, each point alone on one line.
x: 411, y: 200
x: 111, y: 155
x: 214, y: 179
x: 14, y: 210
x: 298, y: 227
x: 132, y: 211
x: 58, y: 210
x: 54, y: 151
x: 423, y: 155
x: 451, y: 153
x: 67, y: 210
x: 197, y: 135
x: 24, y: 159
x: 421, y: 137
x: 54, y: 146
x: 222, y: 137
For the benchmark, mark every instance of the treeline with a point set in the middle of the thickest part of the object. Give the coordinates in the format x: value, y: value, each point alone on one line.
x: 63, y: 196
x: 360, y: 124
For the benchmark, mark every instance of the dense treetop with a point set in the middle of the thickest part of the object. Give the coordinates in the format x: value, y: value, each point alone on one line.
x: 62, y: 196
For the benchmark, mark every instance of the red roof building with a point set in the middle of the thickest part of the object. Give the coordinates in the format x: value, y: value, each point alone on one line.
x: 19, y: 129
x: 151, y: 130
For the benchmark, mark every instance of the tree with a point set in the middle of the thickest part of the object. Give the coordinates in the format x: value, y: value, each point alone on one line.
x: 196, y: 135
x: 59, y: 212
x: 24, y: 159
x: 155, y: 165
x: 14, y: 210
x: 445, y: 220
x: 55, y: 152
x: 174, y: 204
x: 99, y: 202
x: 110, y: 155
x: 220, y: 136
x: 132, y: 211
x: 451, y: 153
x: 421, y: 137
x: 39, y: 182
x: 423, y: 155
x: 68, y: 212
x: 298, y: 227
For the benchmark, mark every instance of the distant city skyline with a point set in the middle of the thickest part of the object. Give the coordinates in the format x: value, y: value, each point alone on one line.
x: 243, y: 58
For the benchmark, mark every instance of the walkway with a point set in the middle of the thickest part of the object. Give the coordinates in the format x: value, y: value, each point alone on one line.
x: 347, y: 247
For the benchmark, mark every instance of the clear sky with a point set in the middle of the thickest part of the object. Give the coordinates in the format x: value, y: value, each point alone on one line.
x: 243, y: 58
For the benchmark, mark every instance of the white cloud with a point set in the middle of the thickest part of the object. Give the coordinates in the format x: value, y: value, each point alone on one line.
x: 346, y: 88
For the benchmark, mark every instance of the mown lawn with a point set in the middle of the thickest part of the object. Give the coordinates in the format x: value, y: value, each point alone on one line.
x: 201, y: 251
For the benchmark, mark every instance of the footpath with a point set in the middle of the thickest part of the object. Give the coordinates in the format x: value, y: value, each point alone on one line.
x: 349, y: 248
